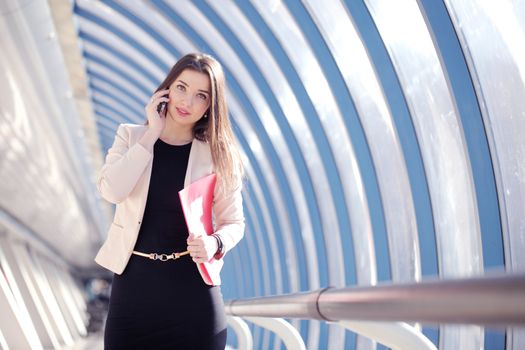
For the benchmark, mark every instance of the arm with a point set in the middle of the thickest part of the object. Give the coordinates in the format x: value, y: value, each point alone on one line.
x: 124, y: 165
x: 229, y: 227
x: 229, y: 217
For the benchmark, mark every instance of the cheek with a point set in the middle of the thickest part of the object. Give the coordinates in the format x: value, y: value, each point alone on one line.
x: 174, y: 95
x: 204, y: 107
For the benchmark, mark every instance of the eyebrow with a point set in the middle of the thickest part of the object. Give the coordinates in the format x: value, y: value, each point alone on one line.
x: 205, y: 91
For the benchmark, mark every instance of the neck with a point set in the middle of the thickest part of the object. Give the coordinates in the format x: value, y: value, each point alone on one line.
x: 176, y: 134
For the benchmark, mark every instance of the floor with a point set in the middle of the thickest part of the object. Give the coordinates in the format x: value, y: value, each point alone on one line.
x: 95, y: 341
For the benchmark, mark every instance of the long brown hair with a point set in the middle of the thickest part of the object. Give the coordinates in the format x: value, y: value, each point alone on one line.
x: 216, y: 128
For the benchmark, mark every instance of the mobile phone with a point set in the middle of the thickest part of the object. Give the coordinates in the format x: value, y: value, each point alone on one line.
x: 161, y: 107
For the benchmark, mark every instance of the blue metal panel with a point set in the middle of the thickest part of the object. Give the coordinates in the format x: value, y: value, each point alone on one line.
x: 356, y: 133
x: 114, y: 67
x: 308, y: 109
x: 284, y: 62
x: 124, y: 58
x: 267, y: 93
x: 121, y: 34
x: 123, y: 118
x: 121, y: 89
x: 101, y: 87
x: 479, y: 154
x: 268, y: 202
x: 407, y: 137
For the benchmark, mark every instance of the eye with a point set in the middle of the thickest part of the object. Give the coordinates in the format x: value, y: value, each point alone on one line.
x: 181, y: 87
x: 202, y: 96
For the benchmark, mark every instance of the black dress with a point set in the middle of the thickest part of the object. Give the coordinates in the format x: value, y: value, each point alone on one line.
x: 164, y: 305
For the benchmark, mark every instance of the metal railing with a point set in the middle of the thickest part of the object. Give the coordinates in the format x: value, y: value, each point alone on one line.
x: 497, y: 300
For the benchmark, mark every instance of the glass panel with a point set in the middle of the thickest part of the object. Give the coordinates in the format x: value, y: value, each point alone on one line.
x: 115, y: 18
x: 247, y: 35
x: 356, y: 68
x: 266, y: 63
x: 334, y: 131
x: 440, y: 135
x: 492, y: 36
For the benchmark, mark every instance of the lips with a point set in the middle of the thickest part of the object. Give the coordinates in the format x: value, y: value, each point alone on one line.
x: 182, y: 112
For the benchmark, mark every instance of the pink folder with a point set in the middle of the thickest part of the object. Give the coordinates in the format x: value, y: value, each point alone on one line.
x: 197, y: 200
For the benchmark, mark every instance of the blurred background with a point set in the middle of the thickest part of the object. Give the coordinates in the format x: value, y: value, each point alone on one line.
x: 383, y: 142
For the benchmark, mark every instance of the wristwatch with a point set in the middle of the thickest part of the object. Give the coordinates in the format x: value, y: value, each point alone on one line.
x: 220, y: 247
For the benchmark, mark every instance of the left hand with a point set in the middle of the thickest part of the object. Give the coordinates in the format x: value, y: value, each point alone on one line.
x: 202, y: 248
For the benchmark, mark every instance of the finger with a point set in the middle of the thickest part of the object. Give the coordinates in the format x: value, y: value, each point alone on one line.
x: 157, y: 95
x: 198, y: 242
x: 193, y: 244
x: 160, y: 93
x: 194, y: 250
x: 155, y: 102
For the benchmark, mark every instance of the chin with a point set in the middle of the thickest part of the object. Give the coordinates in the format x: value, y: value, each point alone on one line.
x: 183, y: 120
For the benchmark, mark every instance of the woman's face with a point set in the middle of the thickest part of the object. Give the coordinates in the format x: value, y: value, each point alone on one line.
x: 189, y: 96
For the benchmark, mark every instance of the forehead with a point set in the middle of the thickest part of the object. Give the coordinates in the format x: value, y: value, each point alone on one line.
x: 194, y: 79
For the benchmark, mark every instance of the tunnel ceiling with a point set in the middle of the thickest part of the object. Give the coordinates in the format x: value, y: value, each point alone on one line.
x: 355, y: 135
x: 346, y: 115
x: 382, y: 140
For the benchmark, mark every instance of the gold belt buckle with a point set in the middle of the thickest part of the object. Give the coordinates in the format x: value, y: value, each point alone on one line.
x: 166, y: 257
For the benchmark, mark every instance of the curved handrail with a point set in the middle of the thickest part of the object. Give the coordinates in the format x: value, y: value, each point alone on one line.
x: 488, y: 300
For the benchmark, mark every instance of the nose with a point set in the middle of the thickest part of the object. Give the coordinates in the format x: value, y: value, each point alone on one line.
x: 188, y: 100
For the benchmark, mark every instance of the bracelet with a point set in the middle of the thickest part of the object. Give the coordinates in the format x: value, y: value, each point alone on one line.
x: 220, y: 246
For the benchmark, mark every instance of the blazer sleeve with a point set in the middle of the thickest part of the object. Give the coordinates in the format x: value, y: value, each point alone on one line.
x: 229, y: 217
x: 122, y: 168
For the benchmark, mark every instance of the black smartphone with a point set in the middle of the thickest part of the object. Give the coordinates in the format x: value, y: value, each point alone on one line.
x: 161, y: 107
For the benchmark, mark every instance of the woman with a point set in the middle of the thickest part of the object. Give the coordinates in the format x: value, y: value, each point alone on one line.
x: 162, y: 301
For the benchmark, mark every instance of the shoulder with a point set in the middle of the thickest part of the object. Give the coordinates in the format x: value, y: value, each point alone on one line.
x: 131, y: 131
x: 202, y: 149
x: 132, y: 128
x: 201, y: 144
x: 200, y: 157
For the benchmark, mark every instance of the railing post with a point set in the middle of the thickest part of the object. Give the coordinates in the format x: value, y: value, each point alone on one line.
x: 395, y: 335
x: 241, y: 329
x: 290, y: 336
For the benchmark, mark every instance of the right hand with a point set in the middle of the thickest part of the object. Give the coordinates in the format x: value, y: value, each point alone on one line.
x: 156, y: 121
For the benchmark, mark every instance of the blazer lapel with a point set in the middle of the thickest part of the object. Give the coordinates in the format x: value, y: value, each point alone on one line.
x: 191, y: 160
x: 144, y: 180
x: 200, y: 162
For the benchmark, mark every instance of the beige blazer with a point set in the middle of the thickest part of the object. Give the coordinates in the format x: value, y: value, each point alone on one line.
x: 124, y: 180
